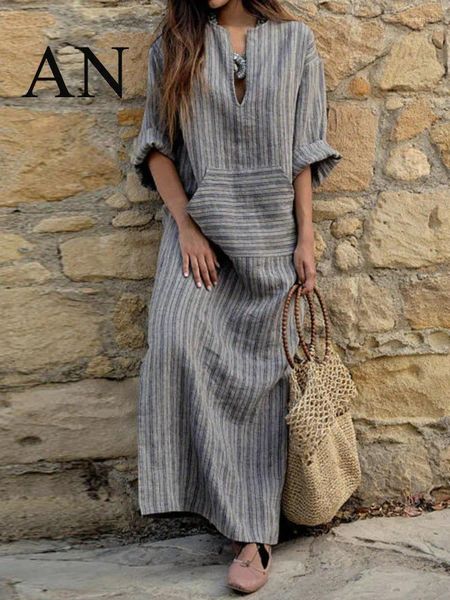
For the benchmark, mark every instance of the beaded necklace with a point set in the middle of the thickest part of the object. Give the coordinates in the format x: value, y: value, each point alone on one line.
x: 240, y: 60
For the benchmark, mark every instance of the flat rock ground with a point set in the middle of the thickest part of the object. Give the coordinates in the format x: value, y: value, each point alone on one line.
x: 385, y: 558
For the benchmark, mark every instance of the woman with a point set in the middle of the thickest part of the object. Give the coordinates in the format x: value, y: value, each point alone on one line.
x: 234, y: 139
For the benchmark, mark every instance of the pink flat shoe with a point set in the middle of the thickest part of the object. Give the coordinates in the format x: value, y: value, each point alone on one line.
x: 250, y: 567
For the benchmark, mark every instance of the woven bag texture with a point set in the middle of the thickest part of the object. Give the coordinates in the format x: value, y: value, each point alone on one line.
x: 323, y: 468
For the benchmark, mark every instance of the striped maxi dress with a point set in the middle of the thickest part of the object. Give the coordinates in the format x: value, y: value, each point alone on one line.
x: 212, y: 438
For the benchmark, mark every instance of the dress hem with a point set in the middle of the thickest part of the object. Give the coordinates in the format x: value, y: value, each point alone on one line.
x: 196, y: 510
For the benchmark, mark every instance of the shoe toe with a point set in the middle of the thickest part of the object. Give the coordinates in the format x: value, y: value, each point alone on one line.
x: 245, y: 578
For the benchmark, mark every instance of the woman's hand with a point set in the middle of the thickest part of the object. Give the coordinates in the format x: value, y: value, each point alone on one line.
x: 197, y: 253
x: 305, y: 263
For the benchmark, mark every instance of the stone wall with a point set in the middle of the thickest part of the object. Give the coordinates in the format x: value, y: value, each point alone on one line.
x: 79, y: 239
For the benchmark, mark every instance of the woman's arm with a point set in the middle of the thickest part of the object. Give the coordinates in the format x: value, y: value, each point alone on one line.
x: 196, y: 250
x: 304, y: 259
x: 155, y: 163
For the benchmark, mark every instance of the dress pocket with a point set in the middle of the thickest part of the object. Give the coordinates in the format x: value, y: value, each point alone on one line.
x: 246, y: 212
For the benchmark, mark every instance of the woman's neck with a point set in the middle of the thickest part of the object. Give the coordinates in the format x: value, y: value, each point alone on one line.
x: 233, y: 14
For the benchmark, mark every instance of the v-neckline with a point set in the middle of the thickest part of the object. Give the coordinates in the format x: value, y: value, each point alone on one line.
x: 248, y: 53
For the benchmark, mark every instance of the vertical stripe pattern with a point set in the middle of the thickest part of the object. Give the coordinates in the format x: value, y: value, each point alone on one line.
x: 212, y: 438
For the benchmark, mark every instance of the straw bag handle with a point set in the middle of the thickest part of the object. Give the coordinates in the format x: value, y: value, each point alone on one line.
x: 308, y: 349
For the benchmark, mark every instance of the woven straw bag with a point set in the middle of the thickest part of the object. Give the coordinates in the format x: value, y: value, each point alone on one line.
x: 323, y: 468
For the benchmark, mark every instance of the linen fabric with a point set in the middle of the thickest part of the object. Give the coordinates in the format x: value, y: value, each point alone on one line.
x: 212, y: 438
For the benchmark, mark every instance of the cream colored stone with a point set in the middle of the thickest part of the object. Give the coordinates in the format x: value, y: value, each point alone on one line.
x: 13, y: 247
x: 394, y: 102
x: 99, y: 366
x: 131, y: 218
x: 409, y: 230
x: 335, y: 34
x: 392, y: 467
x: 64, y: 223
x: 75, y: 500
x: 427, y: 302
x: 347, y: 256
x: 407, y: 163
x: 358, y: 304
x: 414, y: 119
x: 341, y: 7
x: 118, y: 200
x: 344, y: 226
x: 22, y: 45
x: 412, y: 64
x: 438, y: 38
x: 362, y: 8
x: 416, y: 17
x: 128, y: 322
x: 127, y: 255
x: 94, y: 418
x: 333, y: 208
x: 134, y: 59
x: 440, y: 135
x: 62, y: 160
x: 134, y: 190
x: 320, y: 246
x: 352, y: 129
x: 24, y: 273
x: 403, y: 386
x: 42, y: 328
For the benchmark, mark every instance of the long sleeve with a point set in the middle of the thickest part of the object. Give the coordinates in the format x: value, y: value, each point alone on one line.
x: 153, y: 132
x: 310, y: 146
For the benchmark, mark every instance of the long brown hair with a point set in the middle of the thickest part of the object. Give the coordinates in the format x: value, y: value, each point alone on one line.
x: 183, y: 34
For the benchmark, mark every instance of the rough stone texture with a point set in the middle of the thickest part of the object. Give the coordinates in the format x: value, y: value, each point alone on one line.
x: 130, y: 330
x: 403, y: 386
x: 358, y: 304
x: 62, y: 161
x: 118, y: 200
x: 132, y: 218
x: 13, y: 247
x: 332, y: 209
x: 65, y: 223
x: 347, y: 122
x: 414, y: 119
x: 409, y: 230
x: 345, y: 226
x: 347, y: 256
x: 29, y: 272
x: 61, y: 499
x: 440, y: 135
x: 78, y: 247
x: 416, y: 17
x: 49, y: 422
x: 391, y: 558
x: 407, y: 163
x: 412, y: 64
x: 129, y: 255
x: 427, y: 302
x: 22, y: 44
x: 41, y: 328
x: 336, y: 34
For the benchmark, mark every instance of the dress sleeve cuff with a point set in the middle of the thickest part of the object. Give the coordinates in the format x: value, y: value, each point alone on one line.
x: 320, y: 156
x: 145, y: 142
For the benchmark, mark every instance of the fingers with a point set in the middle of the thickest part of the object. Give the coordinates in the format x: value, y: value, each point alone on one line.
x: 203, y: 269
x: 211, y: 262
x: 309, y: 282
x: 205, y: 272
x: 196, y: 271
x: 185, y: 257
